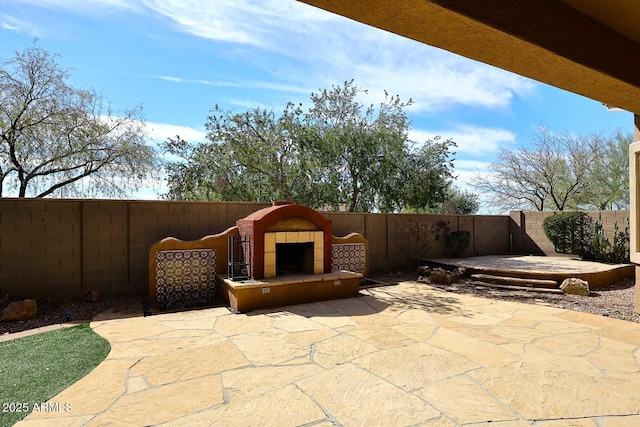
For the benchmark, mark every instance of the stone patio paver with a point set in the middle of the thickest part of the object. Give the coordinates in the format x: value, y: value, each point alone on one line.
x: 340, y: 349
x: 284, y: 407
x: 416, y: 366
x: 396, y: 356
x: 465, y: 401
x: 158, y: 405
x: 357, y: 397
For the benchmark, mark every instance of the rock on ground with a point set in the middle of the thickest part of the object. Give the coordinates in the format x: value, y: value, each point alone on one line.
x: 575, y: 286
x: 20, y: 310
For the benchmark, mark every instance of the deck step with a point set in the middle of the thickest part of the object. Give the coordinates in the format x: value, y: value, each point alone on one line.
x: 516, y: 281
x: 517, y: 288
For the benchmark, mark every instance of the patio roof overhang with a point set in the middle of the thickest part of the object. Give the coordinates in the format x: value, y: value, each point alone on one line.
x: 589, y: 47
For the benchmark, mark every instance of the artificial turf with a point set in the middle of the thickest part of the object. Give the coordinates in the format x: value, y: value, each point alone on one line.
x: 35, y: 368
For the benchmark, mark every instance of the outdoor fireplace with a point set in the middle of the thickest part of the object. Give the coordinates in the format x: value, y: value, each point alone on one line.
x: 291, y: 257
x: 286, y: 239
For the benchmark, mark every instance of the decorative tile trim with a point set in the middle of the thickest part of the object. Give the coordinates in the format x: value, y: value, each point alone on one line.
x: 349, y: 256
x: 185, y: 278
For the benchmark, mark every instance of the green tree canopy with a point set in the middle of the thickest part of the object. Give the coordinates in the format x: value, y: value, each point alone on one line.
x: 250, y: 156
x: 338, y: 153
x: 54, y: 136
x: 608, y: 172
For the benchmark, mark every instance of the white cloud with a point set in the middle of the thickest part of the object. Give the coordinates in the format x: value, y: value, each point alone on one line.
x: 304, y: 47
x: 162, y: 131
x: 471, y: 165
x: 324, y: 49
x: 93, y: 7
x: 468, y: 170
x: 470, y: 139
x: 249, y: 22
x: 11, y: 23
x: 241, y: 85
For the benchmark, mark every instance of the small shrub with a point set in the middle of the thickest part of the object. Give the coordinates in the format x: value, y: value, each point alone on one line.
x: 570, y: 232
x: 600, y: 245
x: 458, y: 241
x: 620, y: 250
x: 602, y: 249
x: 416, y: 238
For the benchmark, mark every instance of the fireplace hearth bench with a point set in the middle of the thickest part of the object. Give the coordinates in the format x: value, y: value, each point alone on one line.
x: 254, y: 294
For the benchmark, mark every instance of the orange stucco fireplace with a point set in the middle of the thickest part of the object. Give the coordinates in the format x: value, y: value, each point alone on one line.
x: 286, y: 239
x: 291, y: 256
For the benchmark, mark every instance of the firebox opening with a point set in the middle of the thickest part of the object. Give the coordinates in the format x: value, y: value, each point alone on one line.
x: 294, y: 258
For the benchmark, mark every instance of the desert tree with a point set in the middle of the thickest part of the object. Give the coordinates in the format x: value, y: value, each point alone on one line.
x: 553, y: 173
x: 372, y: 163
x: 54, y: 136
x: 338, y: 153
x: 249, y: 156
x: 608, y: 172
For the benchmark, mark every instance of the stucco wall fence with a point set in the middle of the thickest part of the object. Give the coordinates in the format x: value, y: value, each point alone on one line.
x: 65, y: 248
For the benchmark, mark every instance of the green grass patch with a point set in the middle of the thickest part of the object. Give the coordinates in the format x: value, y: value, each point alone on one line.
x: 33, y: 369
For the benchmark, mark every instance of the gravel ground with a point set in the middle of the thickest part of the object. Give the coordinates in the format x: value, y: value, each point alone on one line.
x: 53, y: 312
x: 614, y: 301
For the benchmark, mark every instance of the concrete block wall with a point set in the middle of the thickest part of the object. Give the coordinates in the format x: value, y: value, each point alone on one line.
x: 375, y: 231
x: 105, y: 260
x: 152, y: 221
x: 65, y: 248
x: 40, y: 246
x: 528, y: 232
x: 390, y: 245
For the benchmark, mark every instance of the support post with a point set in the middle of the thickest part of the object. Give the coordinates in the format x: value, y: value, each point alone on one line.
x: 634, y: 205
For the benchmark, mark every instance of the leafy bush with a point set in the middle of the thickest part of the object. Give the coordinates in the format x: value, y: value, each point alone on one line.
x: 570, y: 232
x: 576, y: 233
x: 602, y: 249
x: 620, y: 251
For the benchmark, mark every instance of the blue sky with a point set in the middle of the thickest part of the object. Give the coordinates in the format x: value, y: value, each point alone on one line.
x: 180, y: 58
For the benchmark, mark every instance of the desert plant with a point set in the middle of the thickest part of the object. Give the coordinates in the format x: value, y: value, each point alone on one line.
x: 577, y: 233
x: 416, y: 237
x: 458, y: 241
x: 620, y: 247
x: 602, y: 249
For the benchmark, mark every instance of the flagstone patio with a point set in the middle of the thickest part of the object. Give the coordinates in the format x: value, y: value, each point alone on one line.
x: 395, y: 356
